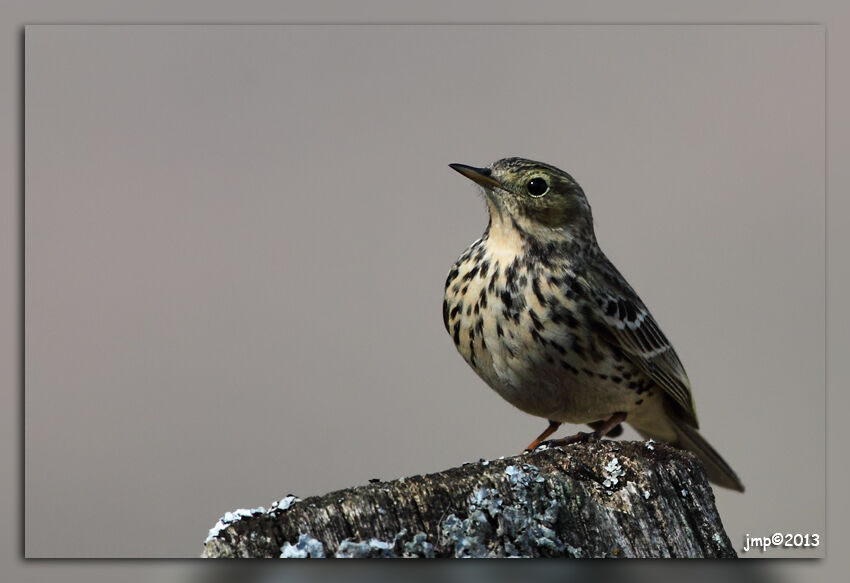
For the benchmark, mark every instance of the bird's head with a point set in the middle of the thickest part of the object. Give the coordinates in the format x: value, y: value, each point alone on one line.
x: 535, y: 198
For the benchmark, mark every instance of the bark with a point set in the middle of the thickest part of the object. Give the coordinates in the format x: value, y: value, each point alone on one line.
x: 604, y: 499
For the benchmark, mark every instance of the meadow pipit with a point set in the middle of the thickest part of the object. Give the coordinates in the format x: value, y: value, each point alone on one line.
x: 541, y: 314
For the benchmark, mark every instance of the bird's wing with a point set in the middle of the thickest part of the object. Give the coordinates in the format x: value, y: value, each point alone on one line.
x: 625, y: 322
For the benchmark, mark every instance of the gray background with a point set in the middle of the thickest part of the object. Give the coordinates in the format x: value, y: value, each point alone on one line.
x: 236, y: 239
x: 834, y: 14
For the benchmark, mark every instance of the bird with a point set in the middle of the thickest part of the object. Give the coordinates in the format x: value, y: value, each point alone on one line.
x: 545, y: 319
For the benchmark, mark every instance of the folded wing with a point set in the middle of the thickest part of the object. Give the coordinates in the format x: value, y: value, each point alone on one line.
x: 625, y: 322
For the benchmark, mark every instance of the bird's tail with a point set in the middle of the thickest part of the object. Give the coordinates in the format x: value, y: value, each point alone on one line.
x: 687, y: 437
x: 716, y: 468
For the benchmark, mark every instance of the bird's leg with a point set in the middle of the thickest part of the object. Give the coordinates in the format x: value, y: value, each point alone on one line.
x: 616, y: 431
x: 605, y: 428
x: 553, y: 426
x: 601, y: 431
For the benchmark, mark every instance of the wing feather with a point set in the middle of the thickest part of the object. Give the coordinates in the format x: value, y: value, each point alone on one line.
x: 626, y: 323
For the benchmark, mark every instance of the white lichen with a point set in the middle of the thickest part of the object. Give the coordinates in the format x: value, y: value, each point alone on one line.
x: 522, y: 525
x: 284, y: 503
x: 307, y: 546
x: 520, y: 476
x: 612, y: 472
x: 717, y: 540
x: 469, y: 536
x: 576, y: 553
x: 487, y: 499
x: 648, y: 444
x: 419, y: 547
x: 377, y: 548
x: 231, y: 517
x: 373, y: 548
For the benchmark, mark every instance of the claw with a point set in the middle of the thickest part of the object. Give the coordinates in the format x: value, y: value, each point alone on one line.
x: 603, y: 428
x: 580, y: 437
x: 553, y: 426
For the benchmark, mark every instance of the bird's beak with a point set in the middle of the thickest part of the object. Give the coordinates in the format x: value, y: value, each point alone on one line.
x: 478, y: 175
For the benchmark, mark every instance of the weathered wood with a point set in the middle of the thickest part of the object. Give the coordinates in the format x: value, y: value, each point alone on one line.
x: 605, y: 499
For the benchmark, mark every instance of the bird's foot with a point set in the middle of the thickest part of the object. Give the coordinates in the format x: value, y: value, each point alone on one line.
x: 612, y: 426
x: 553, y: 426
x: 580, y: 437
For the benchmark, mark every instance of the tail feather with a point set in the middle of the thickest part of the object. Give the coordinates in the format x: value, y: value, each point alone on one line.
x: 716, y: 468
x: 669, y: 426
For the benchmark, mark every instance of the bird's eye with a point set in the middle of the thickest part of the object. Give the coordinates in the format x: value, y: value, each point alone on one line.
x: 537, y: 187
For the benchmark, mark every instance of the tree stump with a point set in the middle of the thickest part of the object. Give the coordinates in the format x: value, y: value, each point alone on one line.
x: 603, y: 499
